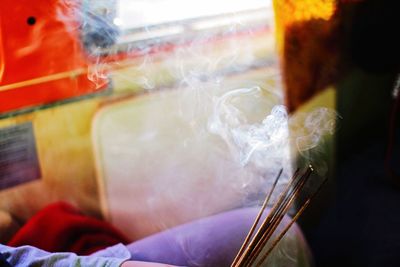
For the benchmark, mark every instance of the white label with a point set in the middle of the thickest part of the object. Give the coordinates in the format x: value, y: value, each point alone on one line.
x: 18, y: 157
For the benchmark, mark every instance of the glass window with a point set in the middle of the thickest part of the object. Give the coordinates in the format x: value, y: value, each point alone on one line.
x: 137, y: 20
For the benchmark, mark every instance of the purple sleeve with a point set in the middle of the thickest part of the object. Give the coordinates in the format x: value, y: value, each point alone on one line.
x: 214, y: 241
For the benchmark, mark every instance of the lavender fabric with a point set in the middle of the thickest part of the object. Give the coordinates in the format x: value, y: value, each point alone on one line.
x: 214, y: 241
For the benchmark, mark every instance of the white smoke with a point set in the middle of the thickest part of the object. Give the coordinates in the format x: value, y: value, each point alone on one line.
x: 266, y: 146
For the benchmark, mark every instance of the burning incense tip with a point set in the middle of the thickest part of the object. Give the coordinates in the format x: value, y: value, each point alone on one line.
x: 311, y: 167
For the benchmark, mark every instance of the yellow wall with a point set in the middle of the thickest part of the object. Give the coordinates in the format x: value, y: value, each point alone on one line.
x: 64, y: 150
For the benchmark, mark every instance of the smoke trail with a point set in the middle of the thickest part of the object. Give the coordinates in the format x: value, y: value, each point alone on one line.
x: 265, y: 146
x: 215, y: 144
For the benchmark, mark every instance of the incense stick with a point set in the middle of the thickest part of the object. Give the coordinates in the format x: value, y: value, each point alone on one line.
x: 257, y: 220
x: 276, y: 241
x: 251, y: 250
x: 243, y: 258
x: 278, y: 216
x: 294, y: 219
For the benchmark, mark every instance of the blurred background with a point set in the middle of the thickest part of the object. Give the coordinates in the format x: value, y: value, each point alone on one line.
x: 107, y: 105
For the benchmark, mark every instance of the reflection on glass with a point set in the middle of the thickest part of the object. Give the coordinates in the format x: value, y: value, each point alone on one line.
x: 138, y: 20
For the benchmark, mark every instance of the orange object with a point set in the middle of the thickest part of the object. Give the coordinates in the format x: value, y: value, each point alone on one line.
x: 308, y: 35
x: 42, y: 59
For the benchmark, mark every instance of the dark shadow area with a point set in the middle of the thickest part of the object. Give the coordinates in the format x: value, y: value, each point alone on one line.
x: 360, y: 226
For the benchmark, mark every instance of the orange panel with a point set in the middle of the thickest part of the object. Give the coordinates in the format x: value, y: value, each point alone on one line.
x: 308, y: 35
x: 42, y: 59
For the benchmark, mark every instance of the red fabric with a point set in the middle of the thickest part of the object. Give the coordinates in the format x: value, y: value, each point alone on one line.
x: 60, y: 227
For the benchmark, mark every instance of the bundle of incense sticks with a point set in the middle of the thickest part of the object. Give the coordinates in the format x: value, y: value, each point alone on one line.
x: 256, y: 249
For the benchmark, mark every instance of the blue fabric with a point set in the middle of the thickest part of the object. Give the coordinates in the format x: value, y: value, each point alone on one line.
x: 30, y: 256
